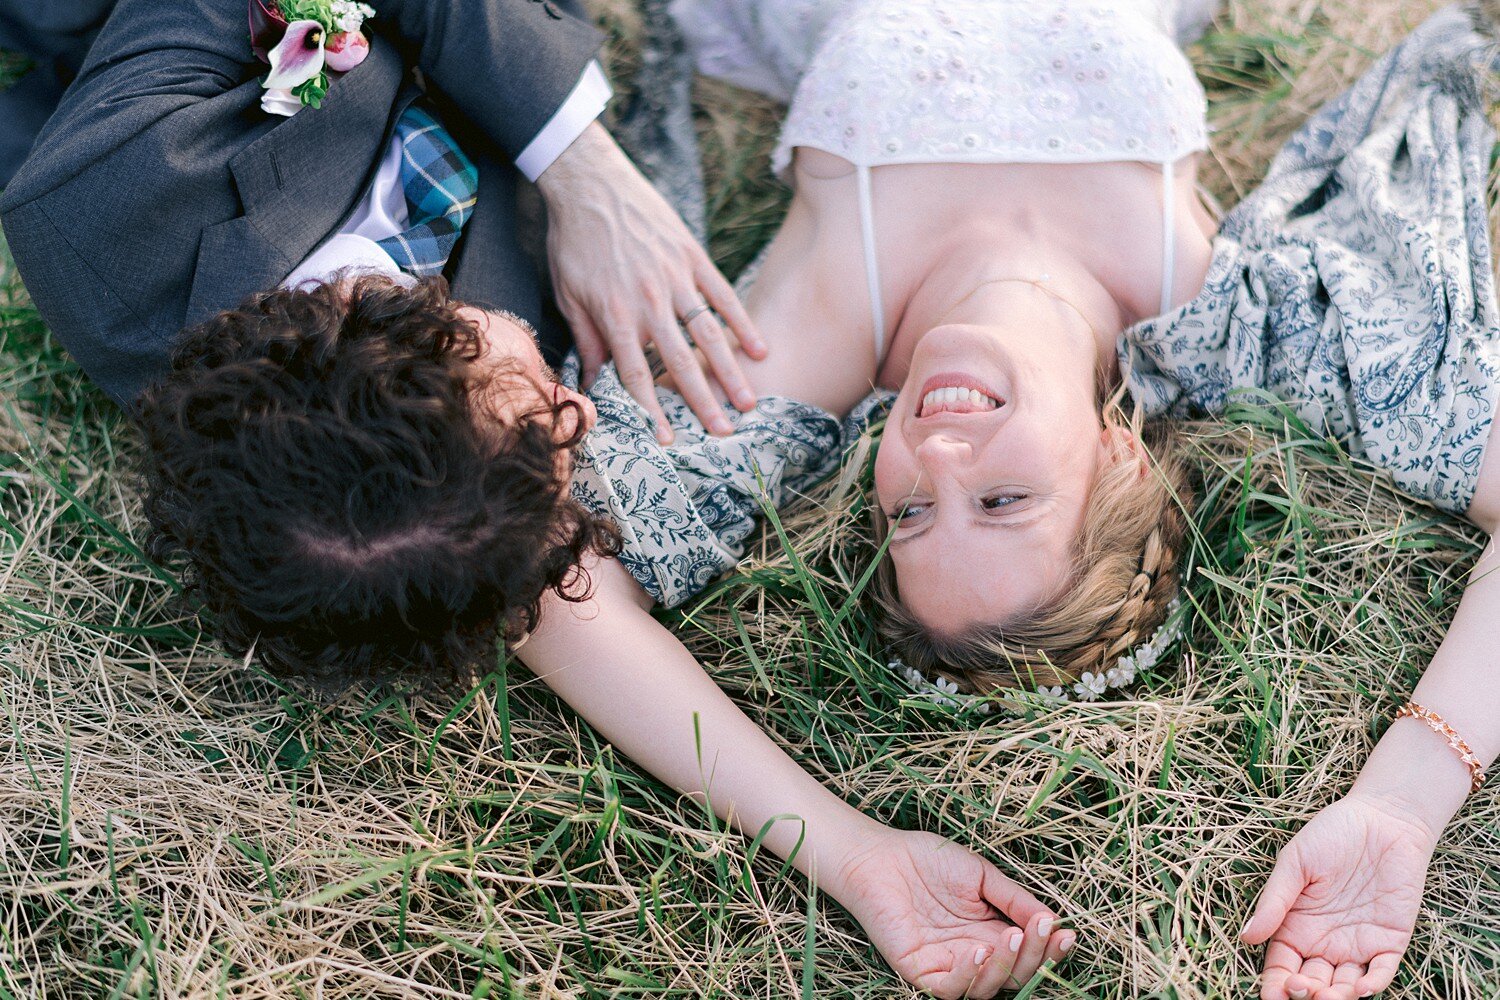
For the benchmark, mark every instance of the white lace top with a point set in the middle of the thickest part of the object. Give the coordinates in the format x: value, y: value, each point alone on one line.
x: 996, y: 81
x: 999, y: 81
x: 965, y: 81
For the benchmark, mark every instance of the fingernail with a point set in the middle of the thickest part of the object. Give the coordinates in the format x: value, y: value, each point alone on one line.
x: 1044, y: 927
x: 1065, y: 947
x: 1015, y: 942
x: 1245, y: 929
x: 1298, y: 994
x: 981, y: 955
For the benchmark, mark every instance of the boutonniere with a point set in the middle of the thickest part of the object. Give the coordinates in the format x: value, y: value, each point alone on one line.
x: 304, y: 41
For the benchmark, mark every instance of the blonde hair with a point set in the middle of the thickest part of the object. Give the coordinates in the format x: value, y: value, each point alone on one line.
x: 1125, y: 576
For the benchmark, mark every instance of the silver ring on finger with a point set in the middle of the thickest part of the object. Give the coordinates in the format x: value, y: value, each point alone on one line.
x: 693, y: 313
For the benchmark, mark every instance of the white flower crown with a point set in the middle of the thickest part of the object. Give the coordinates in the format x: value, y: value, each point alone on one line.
x: 1090, y: 687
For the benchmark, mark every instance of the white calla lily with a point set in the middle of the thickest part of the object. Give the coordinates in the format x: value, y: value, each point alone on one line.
x: 298, y: 57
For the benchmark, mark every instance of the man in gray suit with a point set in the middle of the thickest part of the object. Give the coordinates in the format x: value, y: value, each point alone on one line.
x: 365, y: 468
x: 161, y: 192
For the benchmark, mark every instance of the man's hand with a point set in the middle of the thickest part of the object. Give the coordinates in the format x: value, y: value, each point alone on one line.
x: 1341, y: 903
x: 626, y: 270
x: 946, y: 920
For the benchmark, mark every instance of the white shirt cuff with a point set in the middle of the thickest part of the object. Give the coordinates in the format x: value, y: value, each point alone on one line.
x: 584, y: 104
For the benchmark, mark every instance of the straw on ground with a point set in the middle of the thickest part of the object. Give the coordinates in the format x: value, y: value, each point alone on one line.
x: 173, y: 823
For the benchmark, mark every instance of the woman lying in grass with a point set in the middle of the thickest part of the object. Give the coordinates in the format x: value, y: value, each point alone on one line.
x: 987, y: 194
x: 1013, y: 242
x: 981, y: 261
x: 992, y: 201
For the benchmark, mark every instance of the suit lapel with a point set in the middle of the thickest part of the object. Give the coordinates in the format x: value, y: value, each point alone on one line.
x: 298, y: 182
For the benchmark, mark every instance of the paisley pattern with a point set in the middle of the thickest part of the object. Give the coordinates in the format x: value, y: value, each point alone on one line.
x: 1356, y: 282
x: 686, y: 509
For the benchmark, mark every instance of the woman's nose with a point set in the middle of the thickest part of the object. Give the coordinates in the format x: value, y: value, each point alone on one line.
x: 940, y: 452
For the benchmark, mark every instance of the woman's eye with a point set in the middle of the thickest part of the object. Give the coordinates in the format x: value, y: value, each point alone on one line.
x: 995, y: 503
x: 906, y: 513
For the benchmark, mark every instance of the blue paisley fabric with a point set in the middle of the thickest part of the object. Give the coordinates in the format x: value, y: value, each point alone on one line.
x: 686, y: 509
x: 1356, y: 282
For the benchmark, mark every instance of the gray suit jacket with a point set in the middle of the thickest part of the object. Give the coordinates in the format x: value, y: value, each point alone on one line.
x: 161, y: 193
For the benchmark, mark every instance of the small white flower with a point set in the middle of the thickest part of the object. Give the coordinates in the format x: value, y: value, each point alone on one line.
x: 1090, y: 686
x: 984, y: 708
x: 350, y: 16
x: 1056, y: 691
x: 945, y: 686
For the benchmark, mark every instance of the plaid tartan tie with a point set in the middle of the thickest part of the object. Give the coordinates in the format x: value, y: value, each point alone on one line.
x: 441, y: 186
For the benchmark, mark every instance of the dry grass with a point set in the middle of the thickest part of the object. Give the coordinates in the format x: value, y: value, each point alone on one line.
x: 176, y: 824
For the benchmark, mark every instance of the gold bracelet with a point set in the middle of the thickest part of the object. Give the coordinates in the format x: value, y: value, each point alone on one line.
x: 1439, y: 725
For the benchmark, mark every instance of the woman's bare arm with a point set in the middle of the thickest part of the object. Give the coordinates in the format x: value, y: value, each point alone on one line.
x: 931, y: 907
x: 1341, y: 904
x: 635, y: 682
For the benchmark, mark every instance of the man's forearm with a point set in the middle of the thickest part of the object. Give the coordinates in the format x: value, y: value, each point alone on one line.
x: 508, y: 65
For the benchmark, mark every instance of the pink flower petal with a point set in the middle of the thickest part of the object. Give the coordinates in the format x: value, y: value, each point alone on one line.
x: 298, y: 57
x: 267, y: 27
x: 346, y: 50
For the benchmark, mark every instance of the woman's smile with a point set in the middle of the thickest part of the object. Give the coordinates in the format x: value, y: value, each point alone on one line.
x: 957, y: 393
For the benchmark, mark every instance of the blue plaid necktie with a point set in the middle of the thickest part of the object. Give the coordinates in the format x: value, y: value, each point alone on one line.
x: 441, y: 186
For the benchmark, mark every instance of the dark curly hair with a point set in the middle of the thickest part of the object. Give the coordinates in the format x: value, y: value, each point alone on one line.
x: 322, y: 463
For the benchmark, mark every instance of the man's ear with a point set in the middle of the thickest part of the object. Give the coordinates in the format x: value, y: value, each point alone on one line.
x: 1118, y: 443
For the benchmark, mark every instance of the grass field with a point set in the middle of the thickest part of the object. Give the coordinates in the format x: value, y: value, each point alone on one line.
x: 174, y: 823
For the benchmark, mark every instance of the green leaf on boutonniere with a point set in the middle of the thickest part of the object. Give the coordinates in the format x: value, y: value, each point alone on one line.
x: 313, y: 91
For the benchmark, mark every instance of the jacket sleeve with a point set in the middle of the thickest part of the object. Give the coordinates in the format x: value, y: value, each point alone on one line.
x: 508, y: 65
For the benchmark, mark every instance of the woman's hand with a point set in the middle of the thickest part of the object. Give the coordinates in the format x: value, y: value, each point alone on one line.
x: 1341, y: 903
x: 626, y: 271
x: 945, y: 919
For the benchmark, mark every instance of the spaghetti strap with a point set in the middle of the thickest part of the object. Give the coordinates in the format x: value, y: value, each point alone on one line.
x: 1168, y: 236
x: 872, y: 266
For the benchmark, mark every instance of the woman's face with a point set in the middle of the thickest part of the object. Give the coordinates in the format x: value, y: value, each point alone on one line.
x: 510, y: 348
x: 984, y: 471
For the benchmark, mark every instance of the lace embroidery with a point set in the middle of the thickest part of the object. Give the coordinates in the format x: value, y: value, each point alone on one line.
x: 1001, y: 81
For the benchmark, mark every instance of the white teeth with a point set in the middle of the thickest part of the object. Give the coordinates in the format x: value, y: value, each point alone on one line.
x: 955, y: 396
